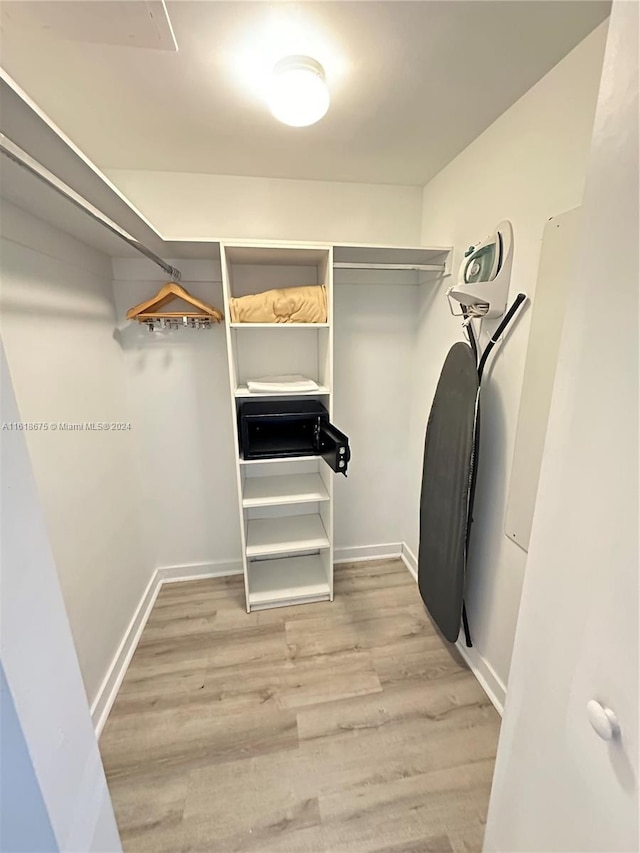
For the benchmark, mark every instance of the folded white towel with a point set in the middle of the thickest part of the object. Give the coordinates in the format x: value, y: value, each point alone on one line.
x: 291, y: 383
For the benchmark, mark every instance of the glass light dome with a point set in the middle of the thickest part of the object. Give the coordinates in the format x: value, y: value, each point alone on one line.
x: 299, y: 95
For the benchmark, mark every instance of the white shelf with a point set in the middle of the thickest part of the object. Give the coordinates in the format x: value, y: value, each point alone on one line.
x: 268, y: 252
x: 243, y: 391
x: 389, y: 257
x: 284, y: 489
x: 393, y: 265
x: 274, y: 582
x: 279, y: 325
x: 285, y: 534
x: 292, y: 494
x: 268, y: 459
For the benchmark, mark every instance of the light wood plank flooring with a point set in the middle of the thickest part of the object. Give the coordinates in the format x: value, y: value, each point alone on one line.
x: 344, y: 727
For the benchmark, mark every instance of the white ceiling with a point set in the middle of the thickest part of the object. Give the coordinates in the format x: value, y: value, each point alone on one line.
x: 412, y: 83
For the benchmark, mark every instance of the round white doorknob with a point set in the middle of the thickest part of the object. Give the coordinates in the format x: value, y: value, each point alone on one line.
x: 603, y: 720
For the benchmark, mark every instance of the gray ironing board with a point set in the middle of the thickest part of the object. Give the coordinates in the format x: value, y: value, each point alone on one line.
x: 447, y: 489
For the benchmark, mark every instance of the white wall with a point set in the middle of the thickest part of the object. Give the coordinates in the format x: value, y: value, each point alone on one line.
x: 24, y: 822
x: 188, y: 206
x: 529, y: 165
x: 373, y: 347
x: 557, y: 785
x: 58, y: 331
x: 178, y: 385
x: 60, y: 782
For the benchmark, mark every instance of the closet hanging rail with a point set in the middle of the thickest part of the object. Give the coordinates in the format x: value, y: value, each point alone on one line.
x: 26, y: 161
x: 343, y: 265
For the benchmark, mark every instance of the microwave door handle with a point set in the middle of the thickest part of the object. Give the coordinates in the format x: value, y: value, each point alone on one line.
x: 333, y: 446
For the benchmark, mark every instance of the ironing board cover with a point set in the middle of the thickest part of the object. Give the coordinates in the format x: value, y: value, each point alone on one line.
x: 447, y: 480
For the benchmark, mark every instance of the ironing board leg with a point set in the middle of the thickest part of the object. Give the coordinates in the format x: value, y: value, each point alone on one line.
x: 465, y: 625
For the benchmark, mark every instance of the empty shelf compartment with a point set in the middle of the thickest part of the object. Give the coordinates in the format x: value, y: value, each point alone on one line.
x: 285, y: 534
x: 284, y: 581
x: 283, y: 489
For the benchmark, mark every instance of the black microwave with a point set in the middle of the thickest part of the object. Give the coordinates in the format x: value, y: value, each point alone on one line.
x: 279, y: 429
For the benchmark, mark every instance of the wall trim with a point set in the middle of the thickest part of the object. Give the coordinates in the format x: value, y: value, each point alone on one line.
x: 106, y: 695
x: 484, y: 673
x: 200, y: 571
x: 410, y: 560
x: 366, y: 552
x: 108, y: 691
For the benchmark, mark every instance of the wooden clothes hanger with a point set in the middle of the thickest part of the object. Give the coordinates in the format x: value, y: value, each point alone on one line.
x: 151, y: 310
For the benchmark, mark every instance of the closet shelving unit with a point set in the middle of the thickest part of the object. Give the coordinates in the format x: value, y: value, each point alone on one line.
x: 285, y: 505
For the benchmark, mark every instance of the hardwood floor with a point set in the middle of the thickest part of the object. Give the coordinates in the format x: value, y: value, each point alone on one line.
x: 344, y: 727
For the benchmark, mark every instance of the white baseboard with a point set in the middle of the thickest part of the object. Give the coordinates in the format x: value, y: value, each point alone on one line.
x: 367, y: 552
x: 485, y: 674
x: 200, y: 571
x: 108, y: 691
x: 410, y: 560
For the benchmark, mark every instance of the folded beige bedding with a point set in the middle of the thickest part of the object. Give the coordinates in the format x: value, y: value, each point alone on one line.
x: 286, y: 305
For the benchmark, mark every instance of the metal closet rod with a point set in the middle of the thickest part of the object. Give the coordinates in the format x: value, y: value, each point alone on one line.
x: 26, y: 161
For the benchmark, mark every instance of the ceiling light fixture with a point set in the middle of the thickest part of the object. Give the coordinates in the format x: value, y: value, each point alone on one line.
x: 298, y: 95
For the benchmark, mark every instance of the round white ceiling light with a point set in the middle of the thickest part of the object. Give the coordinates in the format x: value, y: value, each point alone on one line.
x: 298, y: 95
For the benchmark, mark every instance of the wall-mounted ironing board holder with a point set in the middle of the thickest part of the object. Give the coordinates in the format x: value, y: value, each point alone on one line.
x: 449, y: 480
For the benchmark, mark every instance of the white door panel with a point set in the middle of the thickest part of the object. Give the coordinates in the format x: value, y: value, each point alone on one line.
x: 558, y: 785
